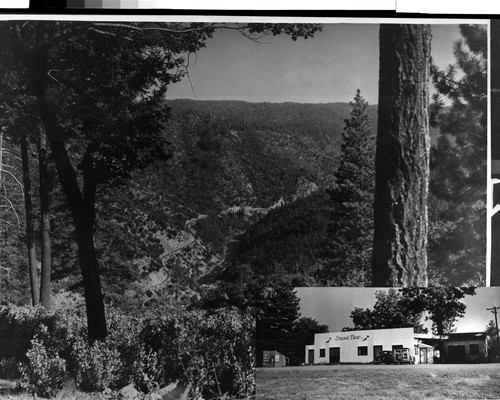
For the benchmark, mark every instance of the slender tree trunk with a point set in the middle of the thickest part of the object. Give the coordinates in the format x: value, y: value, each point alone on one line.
x: 44, y: 221
x: 402, y: 157
x: 82, y: 208
x: 30, y: 222
x: 1, y: 170
x: 259, y: 357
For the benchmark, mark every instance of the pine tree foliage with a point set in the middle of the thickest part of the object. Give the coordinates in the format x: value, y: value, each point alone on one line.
x: 457, y: 242
x: 351, y: 229
x: 354, y: 177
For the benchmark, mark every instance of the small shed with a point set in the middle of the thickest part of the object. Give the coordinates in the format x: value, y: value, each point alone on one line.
x: 424, y: 353
x: 273, y: 358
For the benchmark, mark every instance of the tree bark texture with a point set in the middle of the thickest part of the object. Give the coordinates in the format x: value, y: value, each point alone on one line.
x: 30, y: 222
x: 81, y: 207
x: 44, y: 221
x: 402, y: 157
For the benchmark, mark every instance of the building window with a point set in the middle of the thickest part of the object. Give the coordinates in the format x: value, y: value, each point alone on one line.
x: 474, y: 349
x: 322, y: 352
x: 362, y: 350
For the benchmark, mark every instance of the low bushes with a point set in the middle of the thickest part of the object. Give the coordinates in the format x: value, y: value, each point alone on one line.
x: 97, y: 366
x: 18, y: 326
x: 44, y: 372
x: 211, y: 352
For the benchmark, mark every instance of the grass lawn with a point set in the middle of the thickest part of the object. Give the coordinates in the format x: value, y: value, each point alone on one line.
x: 415, y: 382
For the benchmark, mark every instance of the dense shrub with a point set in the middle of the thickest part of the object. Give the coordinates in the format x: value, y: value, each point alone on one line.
x: 97, y: 366
x: 44, y: 372
x: 226, y: 343
x: 125, y: 337
x: 18, y: 326
x: 211, y: 352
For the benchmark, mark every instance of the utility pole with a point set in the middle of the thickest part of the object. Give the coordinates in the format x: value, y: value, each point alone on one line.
x: 494, y: 310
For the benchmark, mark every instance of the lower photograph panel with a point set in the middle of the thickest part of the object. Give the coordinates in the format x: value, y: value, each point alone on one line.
x: 437, y: 342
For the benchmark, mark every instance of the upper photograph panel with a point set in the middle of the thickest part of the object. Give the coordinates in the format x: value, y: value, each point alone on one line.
x: 176, y: 163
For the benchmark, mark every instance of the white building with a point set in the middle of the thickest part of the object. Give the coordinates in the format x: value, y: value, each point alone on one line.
x: 364, y: 346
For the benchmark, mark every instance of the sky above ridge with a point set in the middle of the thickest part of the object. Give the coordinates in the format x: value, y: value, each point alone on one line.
x: 327, y: 68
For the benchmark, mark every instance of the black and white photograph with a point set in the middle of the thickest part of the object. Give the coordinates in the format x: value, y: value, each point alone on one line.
x: 170, y: 185
x: 381, y: 343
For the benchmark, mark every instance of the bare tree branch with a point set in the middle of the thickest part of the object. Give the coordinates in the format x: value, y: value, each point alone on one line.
x: 17, y: 180
x: 156, y: 28
x: 11, y: 155
x: 5, y: 222
x: 49, y: 73
x: 13, y: 209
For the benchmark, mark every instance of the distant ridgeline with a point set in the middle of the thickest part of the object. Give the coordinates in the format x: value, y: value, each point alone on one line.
x: 323, y: 121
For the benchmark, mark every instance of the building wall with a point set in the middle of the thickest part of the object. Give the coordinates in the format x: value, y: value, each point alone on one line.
x: 354, y: 344
x: 469, y: 351
x: 456, y: 348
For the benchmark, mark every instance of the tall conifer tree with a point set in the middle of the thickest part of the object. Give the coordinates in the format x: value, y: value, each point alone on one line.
x: 352, y: 227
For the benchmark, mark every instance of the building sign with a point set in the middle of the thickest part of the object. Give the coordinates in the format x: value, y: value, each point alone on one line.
x: 351, y: 337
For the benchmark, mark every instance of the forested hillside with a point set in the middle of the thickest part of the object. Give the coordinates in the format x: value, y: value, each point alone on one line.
x: 230, y: 165
x: 246, y: 189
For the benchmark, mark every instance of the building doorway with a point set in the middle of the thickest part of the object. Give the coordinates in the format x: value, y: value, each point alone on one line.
x: 423, y: 356
x: 334, y: 355
x: 310, y: 357
x: 456, y: 354
x: 376, y: 351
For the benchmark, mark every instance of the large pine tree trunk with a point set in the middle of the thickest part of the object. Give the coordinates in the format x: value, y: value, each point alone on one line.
x: 44, y: 221
x: 81, y: 207
x: 30, y: 222
x: 402, y: 157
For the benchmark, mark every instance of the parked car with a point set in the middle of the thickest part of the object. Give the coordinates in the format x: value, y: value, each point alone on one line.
x: 397, y: 356
x: 403, y: 356
x: 384, y: 357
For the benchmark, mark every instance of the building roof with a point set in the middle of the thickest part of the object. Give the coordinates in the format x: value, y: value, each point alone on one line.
x: 452, y: 336
x: 423, y: 345
x: 363, y: 331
